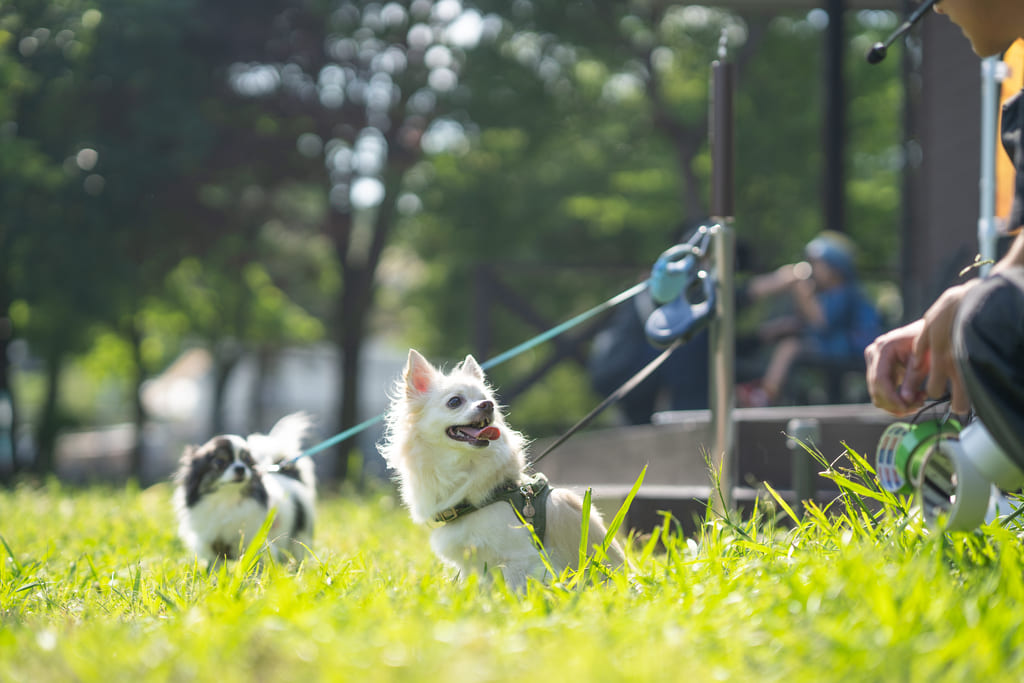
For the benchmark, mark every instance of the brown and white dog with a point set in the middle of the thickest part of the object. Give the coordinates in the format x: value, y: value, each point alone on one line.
x: 224, y: 493
x: 459, y: 465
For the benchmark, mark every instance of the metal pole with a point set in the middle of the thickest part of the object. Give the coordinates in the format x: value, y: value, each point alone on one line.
x: 834, y: 123
x: 723, y: 369
x: 723, y: 327
x: 992, y: 72
x: 802, y: 431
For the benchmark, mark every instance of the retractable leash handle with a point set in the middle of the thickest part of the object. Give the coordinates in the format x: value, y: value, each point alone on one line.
x: 676, y: 268
x: 673, y: 272
x: 957, y: 474
x: 903, y: 448
x: 680, y: 319
x: 963, y: 480
x: 672, y: 279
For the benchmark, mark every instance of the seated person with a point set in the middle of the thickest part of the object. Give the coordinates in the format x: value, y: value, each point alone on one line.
x: 834, y: 320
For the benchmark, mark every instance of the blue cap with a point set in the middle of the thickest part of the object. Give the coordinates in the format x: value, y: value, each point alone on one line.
x: 834, y: 249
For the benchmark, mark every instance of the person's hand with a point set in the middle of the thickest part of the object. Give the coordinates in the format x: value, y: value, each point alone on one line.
x: 932, y: 359
x: 887, y: 359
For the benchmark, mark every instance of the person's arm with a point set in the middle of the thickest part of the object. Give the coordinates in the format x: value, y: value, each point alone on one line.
x: 777, y: 281
x: 808, y: 305
x: 899, y: 362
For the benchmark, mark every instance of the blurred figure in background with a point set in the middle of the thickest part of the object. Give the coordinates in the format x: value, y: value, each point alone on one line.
x: 621, y: 350
x: 832, y: 322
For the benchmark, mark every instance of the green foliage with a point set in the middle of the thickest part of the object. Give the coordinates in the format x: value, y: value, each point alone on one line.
x: 95, y: 586
x: 148, y: 193
x: 568, y: 193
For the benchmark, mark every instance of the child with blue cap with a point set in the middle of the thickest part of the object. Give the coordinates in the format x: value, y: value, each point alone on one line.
x: 834, y: 319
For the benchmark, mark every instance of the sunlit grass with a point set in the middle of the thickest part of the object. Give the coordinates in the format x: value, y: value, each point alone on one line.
x: 94, y: 586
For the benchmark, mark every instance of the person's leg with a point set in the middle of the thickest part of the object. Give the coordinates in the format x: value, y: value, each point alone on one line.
x: 687, y: 373
x: 783, y: 355
x: 988, y: 343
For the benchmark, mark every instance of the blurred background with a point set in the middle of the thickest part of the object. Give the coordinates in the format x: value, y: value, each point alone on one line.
x: 216, y: 212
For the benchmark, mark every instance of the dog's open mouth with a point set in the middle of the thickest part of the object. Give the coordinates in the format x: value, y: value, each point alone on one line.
x: 479, y: 433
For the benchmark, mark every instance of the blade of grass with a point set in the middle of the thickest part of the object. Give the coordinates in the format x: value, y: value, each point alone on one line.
x: 250, y: 558
x: 10, y: 554
x: 853, y: 487
x: 782, y: 503
x: 584, y: 549
x: 620, y: 516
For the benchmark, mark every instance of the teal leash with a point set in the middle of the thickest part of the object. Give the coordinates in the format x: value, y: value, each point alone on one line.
x: 487, y: 365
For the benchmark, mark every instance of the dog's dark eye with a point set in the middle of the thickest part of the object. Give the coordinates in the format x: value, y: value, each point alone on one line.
x: 454, y: 402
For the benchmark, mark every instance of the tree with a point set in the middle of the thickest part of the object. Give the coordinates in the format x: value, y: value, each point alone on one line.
x: 588, y: 148
x: 359, y: 85
x: 44, y: 249
x: 248, y: 167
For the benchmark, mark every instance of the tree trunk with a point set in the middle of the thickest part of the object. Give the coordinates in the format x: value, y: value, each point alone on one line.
x: 354, y: 304
x: 139, y: 417
x: 224, y: 362
x: 8, y: 415
x: 356, y: 301
x: 259, y: 420
x: 46, y: 435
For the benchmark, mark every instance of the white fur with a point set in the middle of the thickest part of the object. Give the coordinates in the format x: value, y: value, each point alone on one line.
x: 436, y: 472
x: 228, y: 515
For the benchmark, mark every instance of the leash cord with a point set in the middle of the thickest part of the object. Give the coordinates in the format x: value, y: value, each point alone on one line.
x: 626, y: 387
x: 568, y: 324
x: 497, y: 360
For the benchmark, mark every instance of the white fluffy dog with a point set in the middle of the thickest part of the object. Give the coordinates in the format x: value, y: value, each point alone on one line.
x: 224, y: 493
x: 460, y: 465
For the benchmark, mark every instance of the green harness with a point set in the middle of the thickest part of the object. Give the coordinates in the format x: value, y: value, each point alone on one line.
x: 529, y: 498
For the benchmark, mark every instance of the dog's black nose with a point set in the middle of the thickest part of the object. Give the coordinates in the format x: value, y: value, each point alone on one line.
x: 238, y: 470
x: 485, y: 406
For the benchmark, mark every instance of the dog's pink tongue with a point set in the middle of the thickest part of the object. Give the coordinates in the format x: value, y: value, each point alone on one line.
x: 485, y: 434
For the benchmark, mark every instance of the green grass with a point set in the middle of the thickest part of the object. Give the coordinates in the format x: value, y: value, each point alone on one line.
x: 94, y: 586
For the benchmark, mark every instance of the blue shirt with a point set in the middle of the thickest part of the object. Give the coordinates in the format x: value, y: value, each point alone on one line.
x: 851, y: 322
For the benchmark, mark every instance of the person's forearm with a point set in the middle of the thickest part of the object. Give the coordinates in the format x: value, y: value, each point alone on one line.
x: 778, y: 281
x: 807, y: 304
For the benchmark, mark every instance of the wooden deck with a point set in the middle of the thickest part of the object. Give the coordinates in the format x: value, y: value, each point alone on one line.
x: 675, y: 447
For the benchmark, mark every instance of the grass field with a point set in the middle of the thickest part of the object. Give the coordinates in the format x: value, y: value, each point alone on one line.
x: 94, y: 586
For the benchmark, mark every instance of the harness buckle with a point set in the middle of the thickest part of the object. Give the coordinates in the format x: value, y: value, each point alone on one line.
x: 448, y: 515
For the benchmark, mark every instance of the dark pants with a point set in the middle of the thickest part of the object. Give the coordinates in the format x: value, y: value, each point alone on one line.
x: 988, y: 343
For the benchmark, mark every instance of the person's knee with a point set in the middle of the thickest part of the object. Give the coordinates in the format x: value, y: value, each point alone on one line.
x: 990, y: 322
x: 988, y: 343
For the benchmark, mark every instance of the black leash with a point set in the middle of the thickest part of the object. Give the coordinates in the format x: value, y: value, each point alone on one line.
x: 626, y: 387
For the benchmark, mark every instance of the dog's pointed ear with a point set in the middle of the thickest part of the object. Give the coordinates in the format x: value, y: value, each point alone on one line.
x: 471, y: 367
x: 419, y: 374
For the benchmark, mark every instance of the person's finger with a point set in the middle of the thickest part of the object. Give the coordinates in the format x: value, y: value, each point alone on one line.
x: 917, y: 372
x: 960, y: 402
x: 883, y: 375
x: 921, y: 344
x: 937, y: 383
